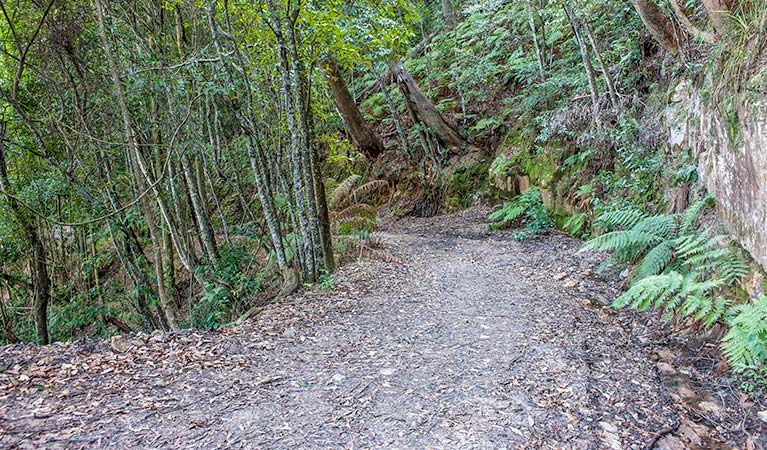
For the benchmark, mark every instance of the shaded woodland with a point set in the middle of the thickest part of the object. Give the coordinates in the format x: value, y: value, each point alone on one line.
x: 173, y: 164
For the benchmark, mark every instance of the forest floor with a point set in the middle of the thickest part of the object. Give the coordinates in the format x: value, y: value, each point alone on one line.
x: 469, y: 340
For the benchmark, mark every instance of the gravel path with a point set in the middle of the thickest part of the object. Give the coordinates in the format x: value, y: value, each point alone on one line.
x: 473, y: 340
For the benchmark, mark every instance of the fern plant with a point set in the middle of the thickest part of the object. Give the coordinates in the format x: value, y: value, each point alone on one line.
x: 526, y: 208
x: 350, y: 210
x: 684, y: 271
x: 673, y: 265
x: 745, y: 345
x: 353, y: 216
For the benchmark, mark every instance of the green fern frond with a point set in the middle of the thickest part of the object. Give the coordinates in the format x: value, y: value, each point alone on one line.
x: 745, y: 345
x: 650, y: 291
x: 623, y: 218
x: 716, y: 313
x: 507, y: 212
x: 663, y: 225
x: 656, y: 260
x: 693, y: 244
x: 684, y: 271
x: 528, y: 207
x: 695, y: 306
x: 705, y: 261
x: 622, y: 240
x: 732, y: 268
x: 693, y: 212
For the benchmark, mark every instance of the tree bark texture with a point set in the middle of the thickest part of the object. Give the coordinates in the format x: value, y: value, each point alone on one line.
x: 718, y: 11
x: 447, y: 135
x: 363, y: 137
x: 669, y: 36
x: 448, y: 13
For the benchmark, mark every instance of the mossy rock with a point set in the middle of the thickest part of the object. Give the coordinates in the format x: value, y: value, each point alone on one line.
x: 467, y: 180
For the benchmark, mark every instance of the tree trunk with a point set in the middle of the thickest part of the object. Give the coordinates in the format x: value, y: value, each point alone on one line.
x: 362, y: 135
x: 38, y: 266
x: 394, y: 115
x: 538, y: 49
x: 323, y: 213
x: 694, y: 31
x: 447, y: 135
x: 603, y: 68
x: 586, y: 61
x: 666, y: 33
x: 200, y: 213
x: 718, y: 11
x: 448, y: 13
x: 41, y: 283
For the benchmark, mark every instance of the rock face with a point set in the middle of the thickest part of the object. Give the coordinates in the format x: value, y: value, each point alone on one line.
x: 731, y: 150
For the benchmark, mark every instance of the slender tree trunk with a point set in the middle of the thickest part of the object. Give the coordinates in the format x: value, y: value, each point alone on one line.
x: 206, y: 233
x: 666, y: 33
x: 538, y: 50
x: 324, y: 214
x: 448, y: 135
x: 404, y: 145
x: 165, y: 310
x: 614, y: 100
x: 362, y: 135
x: 216, y: 200
x: 448, y: 13
x: 38, y: 266
x: 586, y: 61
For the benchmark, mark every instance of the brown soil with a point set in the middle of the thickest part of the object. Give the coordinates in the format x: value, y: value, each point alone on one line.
x: 473, y: 340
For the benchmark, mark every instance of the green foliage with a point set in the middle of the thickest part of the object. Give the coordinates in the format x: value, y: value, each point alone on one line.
x: 210, y: 311
x: 745, y: 345
x: 324, y: 283
x: 234, y: 279
x: 465, y: 183
x: 684, y: 271
x: 576, y: 224
x: 526, y: 208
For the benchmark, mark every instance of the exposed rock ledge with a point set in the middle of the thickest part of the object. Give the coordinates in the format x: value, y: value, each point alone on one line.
x: 732, y: 160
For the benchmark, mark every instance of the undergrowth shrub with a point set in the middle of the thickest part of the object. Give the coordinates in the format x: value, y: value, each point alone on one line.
x: 353, y: 216
x: 526, y: 209
x: 677, y: 267
x: 745, y: 344
x: 228, y: 286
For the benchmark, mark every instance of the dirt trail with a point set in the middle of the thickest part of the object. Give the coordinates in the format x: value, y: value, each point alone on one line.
x: 473, y: 341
